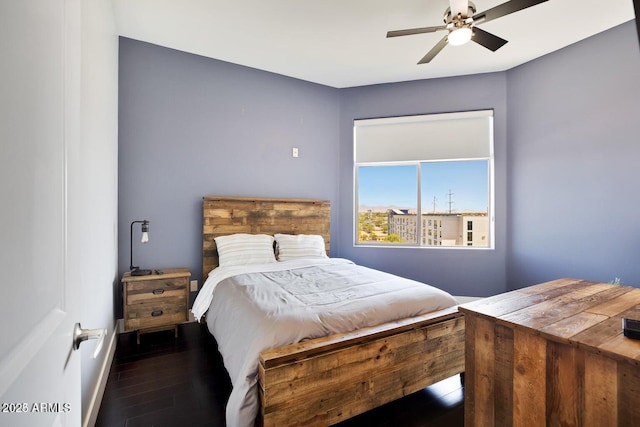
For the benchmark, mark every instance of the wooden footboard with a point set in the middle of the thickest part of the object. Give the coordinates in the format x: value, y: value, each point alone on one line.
x: 326, y: 380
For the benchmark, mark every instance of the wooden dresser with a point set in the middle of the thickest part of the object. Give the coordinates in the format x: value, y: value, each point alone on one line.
x: 157, y: 301
x: 553, y: 355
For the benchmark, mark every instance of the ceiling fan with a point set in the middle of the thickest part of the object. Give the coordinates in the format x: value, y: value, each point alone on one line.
x: 461, y: 22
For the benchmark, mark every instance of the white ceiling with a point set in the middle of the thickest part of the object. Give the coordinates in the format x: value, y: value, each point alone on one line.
x: 342, y: 43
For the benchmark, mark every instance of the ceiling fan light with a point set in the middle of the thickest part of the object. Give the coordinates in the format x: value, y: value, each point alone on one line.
x: 459, y: 36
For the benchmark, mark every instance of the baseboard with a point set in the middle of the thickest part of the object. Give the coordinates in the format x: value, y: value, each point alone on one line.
x: 98, y: 392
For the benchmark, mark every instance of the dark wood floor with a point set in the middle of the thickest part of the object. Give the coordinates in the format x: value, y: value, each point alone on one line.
x: 166, y: 381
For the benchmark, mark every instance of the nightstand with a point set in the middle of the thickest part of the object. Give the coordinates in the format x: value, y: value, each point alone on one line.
x: 156, y: 302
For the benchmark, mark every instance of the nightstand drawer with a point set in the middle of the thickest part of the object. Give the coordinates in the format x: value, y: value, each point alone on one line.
x: 157, y: 313
x: 154, y: 290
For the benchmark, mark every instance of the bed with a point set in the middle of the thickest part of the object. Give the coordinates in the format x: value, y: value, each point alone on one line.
x: 323, y: 379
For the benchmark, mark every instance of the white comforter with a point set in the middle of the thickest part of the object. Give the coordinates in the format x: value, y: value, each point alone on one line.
x: 257, y: 307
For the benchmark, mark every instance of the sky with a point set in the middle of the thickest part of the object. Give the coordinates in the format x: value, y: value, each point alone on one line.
x: 381, y: 186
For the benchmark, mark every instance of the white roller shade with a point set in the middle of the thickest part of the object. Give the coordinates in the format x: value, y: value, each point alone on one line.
x: 449, y: 136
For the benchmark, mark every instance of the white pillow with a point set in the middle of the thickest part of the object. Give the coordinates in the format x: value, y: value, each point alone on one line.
x: 290, y: 246
x: 242, y: 249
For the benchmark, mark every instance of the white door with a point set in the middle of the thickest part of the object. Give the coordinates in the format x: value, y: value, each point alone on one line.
x: 39, y: 126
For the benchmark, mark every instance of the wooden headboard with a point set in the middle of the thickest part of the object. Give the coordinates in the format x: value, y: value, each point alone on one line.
x: 229, y: 215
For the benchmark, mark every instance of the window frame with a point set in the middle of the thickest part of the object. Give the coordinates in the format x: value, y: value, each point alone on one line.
x: 419, y: 211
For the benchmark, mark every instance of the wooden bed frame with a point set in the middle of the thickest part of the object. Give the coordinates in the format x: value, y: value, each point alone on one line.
x: 327, y: 380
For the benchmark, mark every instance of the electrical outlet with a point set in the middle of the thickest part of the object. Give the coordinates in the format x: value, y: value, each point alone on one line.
x: 194, y: 285
x: 294, y: 152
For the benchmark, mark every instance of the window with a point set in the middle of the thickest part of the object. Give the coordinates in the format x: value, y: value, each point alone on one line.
x: 429, y: 171
x: 374, y: 224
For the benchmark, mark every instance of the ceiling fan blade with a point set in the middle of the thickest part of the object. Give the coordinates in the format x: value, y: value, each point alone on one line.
x: 504, y: 9
x: 459, y: 7
x: 412, y: 31
x: 486, y: 39
x: 434, y: 51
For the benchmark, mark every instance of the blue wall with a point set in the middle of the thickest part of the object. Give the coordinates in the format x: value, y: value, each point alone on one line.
x: 190, y: 127
x: 574, y: 179
x: 565, y: 134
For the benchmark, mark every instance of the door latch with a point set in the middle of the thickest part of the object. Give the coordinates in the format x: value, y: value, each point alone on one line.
x: 80, y: 335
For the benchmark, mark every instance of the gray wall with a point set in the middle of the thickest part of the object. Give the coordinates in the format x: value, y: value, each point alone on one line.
x: 459, y: 271
x: 97, y: 180
x: 190, y: 126
x: 564, y: 137
x: 574, y: 146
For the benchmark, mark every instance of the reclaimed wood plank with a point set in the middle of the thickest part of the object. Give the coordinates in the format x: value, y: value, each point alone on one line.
x: 509, y: 302
x: 570, y: 326
x: 484, y: 360
x: 234, y: 199
x: 529, y: 379
x: 470, y: 374
x: 552, y: 287
x: 628, y: 298
x: 564, y: 376
x: 628, y: 397
x: 501, y: 304
x: 503, y: 373
x: 600, y: 391
x: 559, y: 307
x: 621, y: 346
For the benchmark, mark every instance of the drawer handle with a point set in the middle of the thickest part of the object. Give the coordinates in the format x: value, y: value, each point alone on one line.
x: 158, y: 291
x: 156, y: 313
